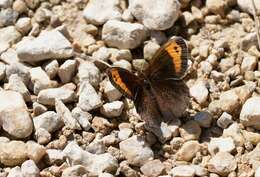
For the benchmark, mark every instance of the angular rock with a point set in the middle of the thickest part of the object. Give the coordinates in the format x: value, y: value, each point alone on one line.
x: 23, y: 25
x: 16, y: 84
x: 51, y: 68
x: 42, y: 136
x: 58, y: 47
x: 252, y: 137
x: 152, y: 168
x: 111, y: 92
x: 112, y: 109
x: 14, y: 115
x: 67, y: 70
x: 199, y: 91
x: 87, y: 71
x: 66, y: 116
x: 49, y: 121
x: 183, y: 171
x: 216, y: 6
x: 9, y: 35
x: 250, y: 113
x: 249, y: 63
x: 234, y: 131
x: 95, y: 164
x: 221, y: 145
x: 110, y: 10
x: 38, y: 109
x: 123, y: 35
x: 54, y: 156
x: 222, y: 163
x: 48, y: 96
x: 88, y: 97
x: 82, y: 117
x: 19, y: 69
x: 224, y: 120
x: 35, y: 151
x: 39, y: 79
x: 136, y: 151
x: 29, y: 169
x: 154, y: 18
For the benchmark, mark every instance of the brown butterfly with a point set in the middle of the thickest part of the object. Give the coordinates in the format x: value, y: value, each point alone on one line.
x: 159, y: 93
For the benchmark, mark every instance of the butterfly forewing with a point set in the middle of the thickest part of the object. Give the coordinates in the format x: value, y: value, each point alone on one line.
x: 170, y: 61
x: 125, y: 81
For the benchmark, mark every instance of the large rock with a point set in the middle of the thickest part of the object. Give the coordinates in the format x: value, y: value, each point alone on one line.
x: 250, y: 113
x: 246, y: 5
x: 155, y: 14
x: 222, y: 163
x: 94, y: 163
x: 13, y: 153
x: 107, y: 10
x: 14, y: 114
x: 88, y: 97
x: 123, y: 35
x: 49, y: 45
x: 9, y: 35
x: 136, y: 151
x: 48, y: 96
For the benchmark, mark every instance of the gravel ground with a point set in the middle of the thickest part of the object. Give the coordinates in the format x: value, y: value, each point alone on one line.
x: 61, y: 116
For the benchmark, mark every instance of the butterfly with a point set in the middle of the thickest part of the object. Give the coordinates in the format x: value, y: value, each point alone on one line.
x: 159, y: 93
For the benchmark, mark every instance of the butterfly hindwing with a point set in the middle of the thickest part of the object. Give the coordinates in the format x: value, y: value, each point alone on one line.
x: 172, y: 97
x: 170, y: 61
x: 125, y: 81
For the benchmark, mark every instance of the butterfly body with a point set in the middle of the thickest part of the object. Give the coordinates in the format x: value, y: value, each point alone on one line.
x: 159, y: 94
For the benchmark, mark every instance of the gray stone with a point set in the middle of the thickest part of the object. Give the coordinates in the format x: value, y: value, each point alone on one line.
x: 51, y: 68
x: 136, y: 151
x: 29, y: 169
x: 66, y: 116
x: 14, y: 115
x: 23, y: 25
x: 224, y: 120
x: 246, y: 5
x: 49, y: 121
x: 204, y: 119
x: 152, y: 168
x: 82, y: 117
x: 87, y: 71
x: 42, y: 136
x: 183, y: 171
x: 123, y: 35
x: 38, y: 109
x: 108, y: 10
x: 58, y: 47
x: 111, y: 92
x: 112, y: 109
x: 199, y: 92
x: 249, y: 63
x: 48, y: 96
x: 9, y: 35
x: 54, y: 156
x: 149, y: 49
x: 250, y: 114
x: 94, y: 163
x: 124, y: 133
x: 96, y: 147
x: 7, y: 17
x: 16, y: 84
x: 88, y: 97
x: 154, y: 18
x: 67, y: 70
x: 39, y: 79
